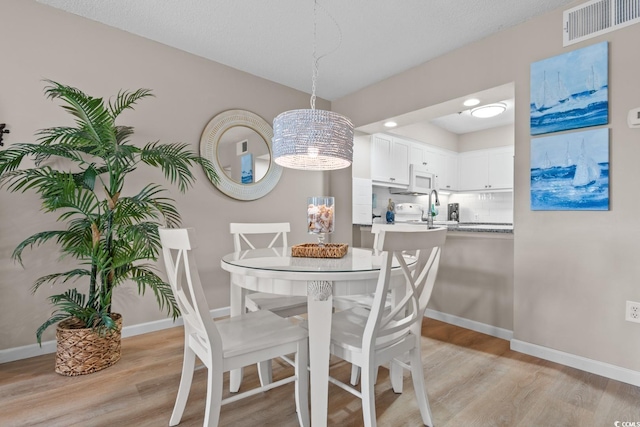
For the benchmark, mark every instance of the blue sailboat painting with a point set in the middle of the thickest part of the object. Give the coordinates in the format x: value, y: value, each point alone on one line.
x: 570, y: 91
x: 571, y: 171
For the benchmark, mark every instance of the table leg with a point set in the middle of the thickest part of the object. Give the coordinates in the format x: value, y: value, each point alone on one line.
x: 236, y: 307
x: 320, y: 304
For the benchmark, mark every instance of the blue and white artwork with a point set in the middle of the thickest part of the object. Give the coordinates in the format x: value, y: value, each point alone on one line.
x: 571, y: 171
x: 246, y: 166
x: 570, y: 91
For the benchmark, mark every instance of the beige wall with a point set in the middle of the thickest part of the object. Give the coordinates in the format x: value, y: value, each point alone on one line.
x: 489, y: 138
x: 39, y: 42
x: 573, y: 271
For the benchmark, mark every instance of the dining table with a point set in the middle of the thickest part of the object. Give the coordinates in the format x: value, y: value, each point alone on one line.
x: 276, y: 271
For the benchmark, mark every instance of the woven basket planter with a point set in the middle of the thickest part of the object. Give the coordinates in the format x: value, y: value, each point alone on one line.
x: 83, y: 351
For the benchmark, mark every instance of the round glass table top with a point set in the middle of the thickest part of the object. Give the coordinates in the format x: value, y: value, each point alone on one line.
x: 280, y: 259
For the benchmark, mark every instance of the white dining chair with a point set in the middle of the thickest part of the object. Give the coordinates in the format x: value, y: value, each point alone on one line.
x: 256, y: 235
x: 246, y: 236
x: 351, y: 301
x: 370, y: 337
x: 230, y: 343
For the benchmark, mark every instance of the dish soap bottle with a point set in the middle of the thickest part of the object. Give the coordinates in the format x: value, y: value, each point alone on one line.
x: 391, y: 214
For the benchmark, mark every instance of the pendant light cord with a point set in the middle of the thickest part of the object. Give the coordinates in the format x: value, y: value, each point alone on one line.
x: 316, y: 59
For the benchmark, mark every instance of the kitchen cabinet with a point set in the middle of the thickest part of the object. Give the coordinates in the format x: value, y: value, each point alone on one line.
x: 490, y: 169
x: 390, y: 160
x: 448, y: 179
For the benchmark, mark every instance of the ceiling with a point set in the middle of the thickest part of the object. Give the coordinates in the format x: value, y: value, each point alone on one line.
x: 360, y: 42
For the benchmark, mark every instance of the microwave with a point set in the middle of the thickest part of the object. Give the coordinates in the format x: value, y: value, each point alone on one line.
x: 420, y: 182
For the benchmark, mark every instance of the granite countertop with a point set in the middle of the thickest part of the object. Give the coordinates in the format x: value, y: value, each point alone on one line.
x: 475, y: 227
x: 472, y: 227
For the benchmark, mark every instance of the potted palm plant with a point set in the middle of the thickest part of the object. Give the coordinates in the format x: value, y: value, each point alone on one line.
x: 80, y: 173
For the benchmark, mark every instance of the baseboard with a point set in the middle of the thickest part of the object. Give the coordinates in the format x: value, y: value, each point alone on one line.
x: 32, y: 350
x: 588, y: 365
x: 483, y: 328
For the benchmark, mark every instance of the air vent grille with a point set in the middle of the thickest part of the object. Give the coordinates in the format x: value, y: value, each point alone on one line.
x: 597, y: 17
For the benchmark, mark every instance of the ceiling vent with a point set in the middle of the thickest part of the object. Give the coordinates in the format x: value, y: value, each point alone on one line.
x: 597, y: 17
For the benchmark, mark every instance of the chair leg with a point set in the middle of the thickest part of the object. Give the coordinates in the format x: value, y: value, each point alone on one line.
x: 188, y: 365
x: 368, y: 377
x: 355, y: 375
x: 214, y: 396
x: 302, y: 384
x: 417, y: 375
x: 265, y: 372
x: 395, y: 373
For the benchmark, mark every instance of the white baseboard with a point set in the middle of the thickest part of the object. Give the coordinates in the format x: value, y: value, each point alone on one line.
x: 588, y: 365
x: 32, y: 350
x: 483, y: 328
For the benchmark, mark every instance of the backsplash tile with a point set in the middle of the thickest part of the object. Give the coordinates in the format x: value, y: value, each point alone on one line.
x: 474, y: 207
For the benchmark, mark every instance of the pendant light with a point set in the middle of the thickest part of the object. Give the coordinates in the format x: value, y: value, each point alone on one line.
x: 312, y: 139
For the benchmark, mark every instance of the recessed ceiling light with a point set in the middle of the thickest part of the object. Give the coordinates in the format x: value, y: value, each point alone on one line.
x: 489, y: 110
x: 390, y: 124
x: 471, y: 102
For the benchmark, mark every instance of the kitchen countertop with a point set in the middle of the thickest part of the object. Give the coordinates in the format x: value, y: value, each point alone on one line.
x: 471, y: 227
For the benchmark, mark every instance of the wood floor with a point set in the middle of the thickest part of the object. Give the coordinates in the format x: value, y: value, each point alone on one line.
x: 472, y: 380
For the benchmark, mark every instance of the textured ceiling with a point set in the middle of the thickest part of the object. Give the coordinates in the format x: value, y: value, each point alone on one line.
x: 373, y: 39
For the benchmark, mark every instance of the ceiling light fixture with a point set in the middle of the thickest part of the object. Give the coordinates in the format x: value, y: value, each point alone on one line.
x: 471, y: 102
x: 390, y: 124
x: 313, y: 139
x: 489, y: 110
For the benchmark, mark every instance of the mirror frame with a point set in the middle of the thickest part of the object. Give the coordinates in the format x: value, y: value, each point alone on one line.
x: 210, y: 140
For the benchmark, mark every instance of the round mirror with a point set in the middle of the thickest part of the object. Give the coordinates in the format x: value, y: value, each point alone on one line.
x: 238, y: 144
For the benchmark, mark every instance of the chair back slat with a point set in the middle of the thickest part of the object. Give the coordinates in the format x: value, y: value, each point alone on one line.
x: 242, y: 232
x: 422, y: 247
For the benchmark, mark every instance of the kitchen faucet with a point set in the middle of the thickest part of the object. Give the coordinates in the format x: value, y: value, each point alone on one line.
x: 430, y: 213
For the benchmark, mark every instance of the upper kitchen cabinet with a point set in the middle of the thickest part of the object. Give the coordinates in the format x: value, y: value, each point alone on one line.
x: 490, y: 169
x: 448, y: 178
x: 389, y: 160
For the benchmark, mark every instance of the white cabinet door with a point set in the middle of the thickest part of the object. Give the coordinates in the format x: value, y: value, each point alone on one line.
x: 389, y: 160
x: 418, y: 156
x: 490, y: 169
x: 449, y: 175
x: 501, y: 168
x: 473, y: 167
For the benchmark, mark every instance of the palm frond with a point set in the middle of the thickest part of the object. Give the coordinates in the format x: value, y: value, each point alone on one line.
x: 55, y: 318
x: 127, y: 99
x: 175, y: 161
x: 67, y: 276
x: 34, y: 240
x: 11, y: 158
x: 146, y: 278
x: 90, y: 113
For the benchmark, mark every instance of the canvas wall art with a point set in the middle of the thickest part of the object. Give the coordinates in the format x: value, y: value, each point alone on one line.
x: 246, y: 167
x: 571, y: 171
x: 570, y: 91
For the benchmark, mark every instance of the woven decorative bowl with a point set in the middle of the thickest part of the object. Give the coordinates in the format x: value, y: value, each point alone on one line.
x: 314, y: 250
x: 83, y: 350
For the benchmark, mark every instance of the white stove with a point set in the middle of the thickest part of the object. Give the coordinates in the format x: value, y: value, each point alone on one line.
x: 409, y: 212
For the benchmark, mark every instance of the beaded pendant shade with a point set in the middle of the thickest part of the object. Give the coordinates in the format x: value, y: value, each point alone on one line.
x: 313, y: 139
